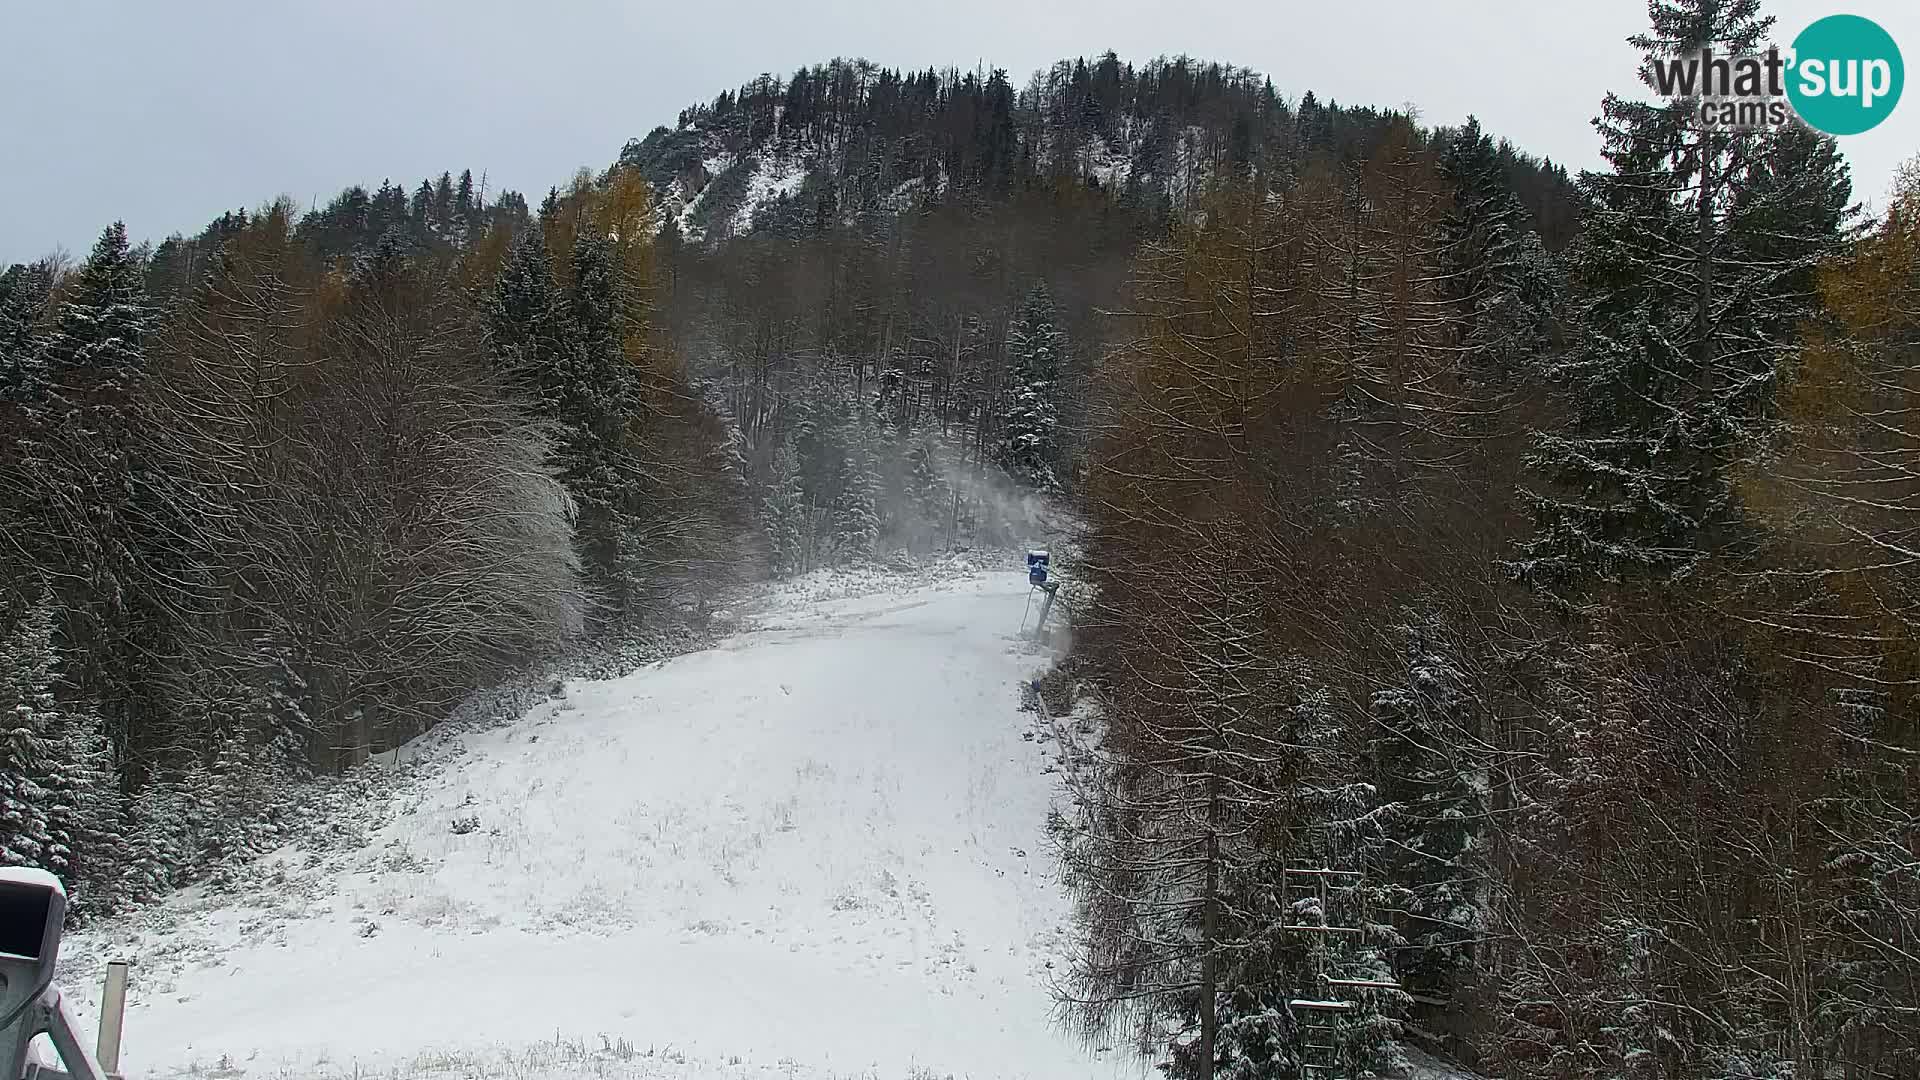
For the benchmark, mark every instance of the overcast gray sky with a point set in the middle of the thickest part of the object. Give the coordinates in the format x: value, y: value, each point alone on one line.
x: 165, y: 113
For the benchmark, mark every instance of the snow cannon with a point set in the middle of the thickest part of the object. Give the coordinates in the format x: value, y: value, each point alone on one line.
x: 33, y: 909
x: 1037, y: 561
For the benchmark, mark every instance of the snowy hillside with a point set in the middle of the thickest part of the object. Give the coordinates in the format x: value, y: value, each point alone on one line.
x: 845, y: 139
x: 814, y: 851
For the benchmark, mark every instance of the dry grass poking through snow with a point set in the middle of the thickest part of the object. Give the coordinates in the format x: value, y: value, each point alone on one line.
x: 568, y: 1059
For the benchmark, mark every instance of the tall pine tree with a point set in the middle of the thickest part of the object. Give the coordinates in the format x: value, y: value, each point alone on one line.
x: 94, y: 492
x: 27, y: 720
x: 1675, y: 355
x: 96, y: 346
x: 595, y: 395
x: 1430, y: 784
x: 786, y: 513
x: 1497, y: 273
x: 85, y: 808
x: 527, y: 324
x: 929, y: 493
x: 1029, y: 447
x: 855, y: 518
x: 24, y: 290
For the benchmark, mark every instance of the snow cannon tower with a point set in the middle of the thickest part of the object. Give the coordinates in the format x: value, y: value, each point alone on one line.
x: 1038, y: 560
x: 33, y: 909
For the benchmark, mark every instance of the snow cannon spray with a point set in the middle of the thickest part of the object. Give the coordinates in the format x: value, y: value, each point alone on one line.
x: 33, y: 910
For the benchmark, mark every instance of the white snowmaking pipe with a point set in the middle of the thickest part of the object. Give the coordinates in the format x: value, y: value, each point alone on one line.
x: 113, y: 1007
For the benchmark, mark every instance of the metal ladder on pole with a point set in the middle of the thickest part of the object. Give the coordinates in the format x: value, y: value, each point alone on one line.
x: 1319, y: 1040
x: 1331, y: 931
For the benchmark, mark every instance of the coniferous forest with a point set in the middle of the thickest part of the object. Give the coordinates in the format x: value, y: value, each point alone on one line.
x: 1534, y: 544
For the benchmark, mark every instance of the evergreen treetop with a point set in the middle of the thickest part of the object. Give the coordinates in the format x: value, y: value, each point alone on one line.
x: 103, y: 320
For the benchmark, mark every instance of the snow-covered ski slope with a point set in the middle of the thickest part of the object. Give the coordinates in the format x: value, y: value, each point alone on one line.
x: 814, y: 851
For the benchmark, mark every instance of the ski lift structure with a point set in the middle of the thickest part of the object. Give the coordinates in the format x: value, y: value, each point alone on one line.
x: 1325, y: 907
x: 1038, y: 561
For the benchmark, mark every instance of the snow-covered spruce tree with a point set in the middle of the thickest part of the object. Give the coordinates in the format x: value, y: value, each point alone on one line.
x: 27, y: 715
x: 1675, y: 355
x: 814, y: 414
x: 1258, y: 1031
x: 24, y: 290
x: 164, y: 830
x: 1430, y: 783
x: 1496, y: 270
x: 527, y: 328
x: 62, y: 755
x: 889, y: 478
x: 1336, y: 823
x: 242, y: 789
x: 562, y: 350
x: 598, y: 399
x: 465, y: 209
x: 786, y: 512
x: 1258, y: 1036
x: 593, y: 389
x: 1029, y: 445
x: 1792, y: 211
x: 566, y: 350
x: 1636, y: 1042
x: 88, y: 779
x: 282, y: 699
x: 441, y: 212
x: 929, y: 496
x: 854, y: 517
x: 102, y: 323
x: 94, y: 491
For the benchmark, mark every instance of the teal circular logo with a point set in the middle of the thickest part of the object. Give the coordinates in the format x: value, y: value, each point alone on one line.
x: 1846, y: 74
